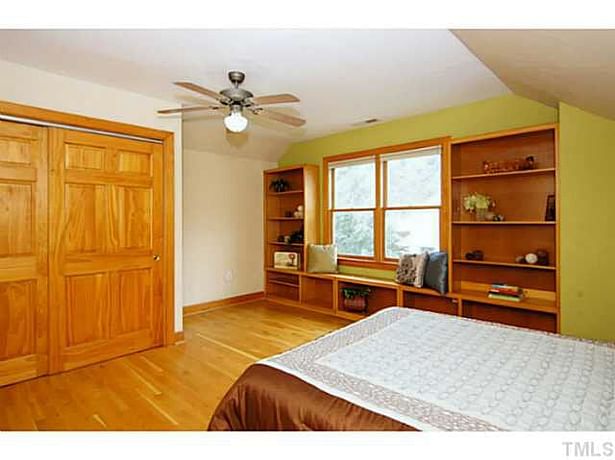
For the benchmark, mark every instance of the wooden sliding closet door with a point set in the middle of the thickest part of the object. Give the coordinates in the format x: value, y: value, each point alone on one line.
x: 106, y: 237
x: 23, y: 252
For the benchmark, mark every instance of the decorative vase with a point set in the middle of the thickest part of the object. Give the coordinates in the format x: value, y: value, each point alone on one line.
x: 480, y: 214
x: 357, y: 304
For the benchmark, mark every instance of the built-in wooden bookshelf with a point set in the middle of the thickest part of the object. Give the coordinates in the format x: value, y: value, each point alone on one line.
x: 521, y: 197
x: 279, y: 221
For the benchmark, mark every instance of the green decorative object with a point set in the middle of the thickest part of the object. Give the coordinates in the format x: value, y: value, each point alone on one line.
x: 358, y: 291
x: 478, y: 204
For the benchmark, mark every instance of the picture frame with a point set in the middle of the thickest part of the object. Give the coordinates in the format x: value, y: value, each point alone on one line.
x: 286, y: 260
x: 550, y: 212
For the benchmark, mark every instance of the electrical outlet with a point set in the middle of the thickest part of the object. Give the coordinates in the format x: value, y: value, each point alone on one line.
x: 228, y: 275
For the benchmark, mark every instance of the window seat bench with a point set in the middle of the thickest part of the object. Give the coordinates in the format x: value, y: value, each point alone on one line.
x: 322, y: 292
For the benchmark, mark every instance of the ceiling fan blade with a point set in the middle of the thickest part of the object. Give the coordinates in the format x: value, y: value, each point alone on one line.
x: 277, y: 116
x: 190, y: 109
x: 275, y: 99
x: 199, y: 89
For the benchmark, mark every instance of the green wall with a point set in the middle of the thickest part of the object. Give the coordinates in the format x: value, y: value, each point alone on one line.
x: 479, y: 117
x: 464, y: 120
x: 587, y: 223
x: 587, y: 217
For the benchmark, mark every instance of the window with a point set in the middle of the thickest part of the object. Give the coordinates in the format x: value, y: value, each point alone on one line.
x: 412, y: 198
x: 385, y: 203
x: 353, y: 201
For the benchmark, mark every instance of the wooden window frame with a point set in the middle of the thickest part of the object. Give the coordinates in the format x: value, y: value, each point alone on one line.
x: 379, y: 260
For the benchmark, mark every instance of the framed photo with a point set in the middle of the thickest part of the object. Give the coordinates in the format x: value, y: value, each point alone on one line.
x: 550, y: 211
x: 286, y: 260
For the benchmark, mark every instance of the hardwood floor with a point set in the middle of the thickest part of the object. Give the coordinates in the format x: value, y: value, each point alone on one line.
x: 172, y: 388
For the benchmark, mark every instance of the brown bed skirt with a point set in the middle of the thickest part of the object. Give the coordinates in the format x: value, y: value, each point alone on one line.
x: 267, y: 399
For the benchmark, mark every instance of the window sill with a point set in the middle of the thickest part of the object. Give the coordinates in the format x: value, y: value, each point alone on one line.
x: 366, y: 263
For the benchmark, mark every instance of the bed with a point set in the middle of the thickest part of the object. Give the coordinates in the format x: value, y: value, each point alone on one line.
x: 406, y: 369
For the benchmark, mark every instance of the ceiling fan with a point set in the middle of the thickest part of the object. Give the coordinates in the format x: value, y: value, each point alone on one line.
x: 237, y: 100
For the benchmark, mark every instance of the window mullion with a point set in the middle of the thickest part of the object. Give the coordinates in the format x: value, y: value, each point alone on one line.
x: 331, y: 197
x: 410, y: 208
x: 378, y: 221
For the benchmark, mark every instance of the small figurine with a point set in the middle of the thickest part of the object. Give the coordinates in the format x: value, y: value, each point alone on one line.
x: 477, y: 254
x: 531, y: 258
x: 538, y: 257
x: 543, y: 257
x: 296, y: 237
x: 299, y: 212
x: 279, y: 185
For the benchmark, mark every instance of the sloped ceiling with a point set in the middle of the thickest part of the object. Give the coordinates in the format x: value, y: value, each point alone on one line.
x: 573, y: 66
x: 342, y: 77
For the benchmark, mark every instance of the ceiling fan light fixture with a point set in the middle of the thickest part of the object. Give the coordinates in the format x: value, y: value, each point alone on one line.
x: 235, y: 121
x: 237, y: 99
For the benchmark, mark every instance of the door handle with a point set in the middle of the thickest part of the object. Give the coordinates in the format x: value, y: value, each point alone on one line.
x: 156, y: 257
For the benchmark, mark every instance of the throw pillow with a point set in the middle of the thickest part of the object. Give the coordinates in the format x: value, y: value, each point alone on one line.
x: 322, y: 258
x: 411, y: 269
x: 436, y: 272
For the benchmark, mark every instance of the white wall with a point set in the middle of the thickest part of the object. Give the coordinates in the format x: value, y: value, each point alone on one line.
x: 26, y: 85
x: 223, y: 231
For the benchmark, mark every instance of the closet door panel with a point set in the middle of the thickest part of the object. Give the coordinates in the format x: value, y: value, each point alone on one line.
x: 85, y: 209
x: 88, y: 304
x: 106, y: 233
x: 17, y: 323
x: 134, y: 310
x: 17, y: 237
x: 23, y: 252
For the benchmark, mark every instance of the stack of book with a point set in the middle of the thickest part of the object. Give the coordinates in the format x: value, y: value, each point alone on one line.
x: 506, y: 292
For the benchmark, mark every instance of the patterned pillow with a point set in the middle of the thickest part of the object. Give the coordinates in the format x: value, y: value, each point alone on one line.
x: 411, y: 269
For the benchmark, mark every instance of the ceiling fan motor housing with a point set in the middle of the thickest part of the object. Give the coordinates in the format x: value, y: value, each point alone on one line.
x: 236, y: 77
x: 236, y: 95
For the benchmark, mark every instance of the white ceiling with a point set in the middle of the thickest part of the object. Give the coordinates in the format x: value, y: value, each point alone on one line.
x: 574, y: 66
x: 341, y: 76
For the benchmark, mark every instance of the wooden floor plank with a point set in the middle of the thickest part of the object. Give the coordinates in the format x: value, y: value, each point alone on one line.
x: 171, y: 388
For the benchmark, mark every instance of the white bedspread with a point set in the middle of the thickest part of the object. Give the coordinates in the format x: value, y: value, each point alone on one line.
x: 439, y: 372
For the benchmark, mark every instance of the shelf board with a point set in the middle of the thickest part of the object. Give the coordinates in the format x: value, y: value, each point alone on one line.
x: 503, y: 222
x: 503, y: 264
x: 284, y: 270
x: 509, y: 173
x: 284, y: 283
x: 374, y: 282
x: 422, y: 291
x: 279, y: 243
x: 288, y: 192
x: 285, y: 218
x: 533, y: 304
